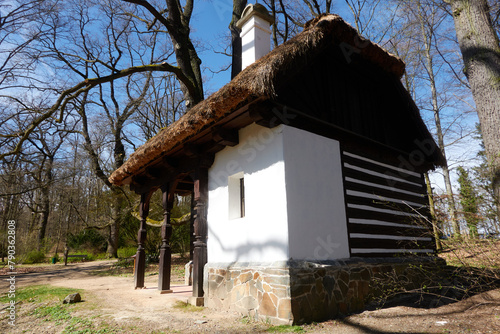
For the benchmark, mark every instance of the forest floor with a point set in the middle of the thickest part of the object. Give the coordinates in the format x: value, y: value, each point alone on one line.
x: 111, y: 305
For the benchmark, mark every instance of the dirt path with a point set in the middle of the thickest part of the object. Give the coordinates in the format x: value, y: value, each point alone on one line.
x: 108, y: 288
x: 113, y: 301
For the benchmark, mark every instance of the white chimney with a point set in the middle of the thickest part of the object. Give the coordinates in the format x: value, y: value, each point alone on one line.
x: 255, y: 25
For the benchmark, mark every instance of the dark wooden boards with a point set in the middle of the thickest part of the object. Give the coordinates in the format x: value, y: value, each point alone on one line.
x: 387, y: 208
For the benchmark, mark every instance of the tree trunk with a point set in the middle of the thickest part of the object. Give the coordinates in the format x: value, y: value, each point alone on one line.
x: 45, y: 202
x: 480, y: 50
x: 185, y: 53
x: 44, y: 219
x: 435, y: 228
x: 114, y: 228
x: 427, y: 36
x: 236, y: 66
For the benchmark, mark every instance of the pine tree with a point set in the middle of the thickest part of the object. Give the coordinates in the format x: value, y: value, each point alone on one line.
x: 469, y: 201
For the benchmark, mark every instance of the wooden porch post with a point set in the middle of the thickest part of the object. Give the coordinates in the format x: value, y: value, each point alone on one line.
x: 200, y: 231
x: 165, y: 250
x: 191, y: 229
x: 140, y: 256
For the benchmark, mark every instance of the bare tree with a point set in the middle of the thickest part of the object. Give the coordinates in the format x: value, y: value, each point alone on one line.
x: 148, y: 19
x: 82, y: 53
x: 16, y: 35
x: 429, y: 18
x: 373, y: 19
x: 45, y: 143
x: 238, y: 6
x: 11, y: 190
x: 162, y: 105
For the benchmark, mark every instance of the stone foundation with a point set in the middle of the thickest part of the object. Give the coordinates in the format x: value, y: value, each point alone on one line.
x: 261, y: 291
x: 297, y: 292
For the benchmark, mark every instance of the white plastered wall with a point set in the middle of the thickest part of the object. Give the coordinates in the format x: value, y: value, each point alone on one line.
x: 262, y: 235
x: 317, y: 224
x: 294, y: 198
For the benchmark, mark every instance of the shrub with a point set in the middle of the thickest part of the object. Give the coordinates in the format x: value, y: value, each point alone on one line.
x: 90, y: 256
x: 88, y: 240
x: 34, y: 257
x: 126, y: 252
x: 180, y: 240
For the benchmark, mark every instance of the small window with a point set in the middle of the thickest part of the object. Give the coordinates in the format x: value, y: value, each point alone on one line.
x: 236, y: 187
x: 242, y: 197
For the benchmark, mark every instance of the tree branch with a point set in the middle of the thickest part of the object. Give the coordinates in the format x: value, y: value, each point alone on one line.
x: 84, y: 86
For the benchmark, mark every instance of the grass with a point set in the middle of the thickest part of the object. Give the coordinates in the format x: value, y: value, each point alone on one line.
x: 285, y: 329
x: 40, y: 293
x: 274, y: 329
x: 186, y: 307
x: 49, y: 308
x: 53, y: 313
x: 478, y: 253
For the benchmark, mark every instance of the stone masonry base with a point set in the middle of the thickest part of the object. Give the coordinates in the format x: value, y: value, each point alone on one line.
x: 296, y: 292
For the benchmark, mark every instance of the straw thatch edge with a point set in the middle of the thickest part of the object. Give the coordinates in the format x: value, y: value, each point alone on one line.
x: 260, y: 79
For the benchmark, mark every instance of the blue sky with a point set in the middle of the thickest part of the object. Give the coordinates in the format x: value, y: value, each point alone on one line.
x: 210, y: 23
x: 210, y: 29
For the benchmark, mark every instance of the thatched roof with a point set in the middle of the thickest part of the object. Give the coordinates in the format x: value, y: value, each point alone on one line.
x: 260, y: 79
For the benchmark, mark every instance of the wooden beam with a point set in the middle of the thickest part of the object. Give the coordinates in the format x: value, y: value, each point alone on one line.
x: 227, y: 137
x: 139, y: 179
x: 133, y: 186
x: 169, y: 162
x: 184, y: 187
x: 140, y: 256
x: 200, y: 229
x: 152, y: 172
x: 263, y: 118
x: 185, y: 166
x: 191, y: 150
x: 166, y: 232
x: 351, y: 141
x: 191, y: 231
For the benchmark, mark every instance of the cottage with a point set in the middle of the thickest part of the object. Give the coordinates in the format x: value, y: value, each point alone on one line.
x: 306, y: 172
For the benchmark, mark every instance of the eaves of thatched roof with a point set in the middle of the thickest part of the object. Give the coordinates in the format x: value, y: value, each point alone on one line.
x: 258, y: 81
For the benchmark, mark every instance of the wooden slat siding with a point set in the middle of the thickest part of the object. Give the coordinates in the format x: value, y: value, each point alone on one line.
x: 373, y: 221
x: 390, y: 213
x: 384, y: 192
x: 391, y: 244
x: 362, y: 174
x: 405, y: 208
x: 388, y: 230
x: 385, y: 253
x: 377, y: 198
x: 385, y: 205
x: 355, y: 213
x: 382, y: 168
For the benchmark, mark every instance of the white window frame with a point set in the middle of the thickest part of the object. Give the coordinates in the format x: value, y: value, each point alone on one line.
x: 236, y: 203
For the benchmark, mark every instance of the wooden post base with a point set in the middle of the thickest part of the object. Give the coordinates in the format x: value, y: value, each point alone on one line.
x: 196, y: 301
x: 140, y: 265
x: 162, y: 292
